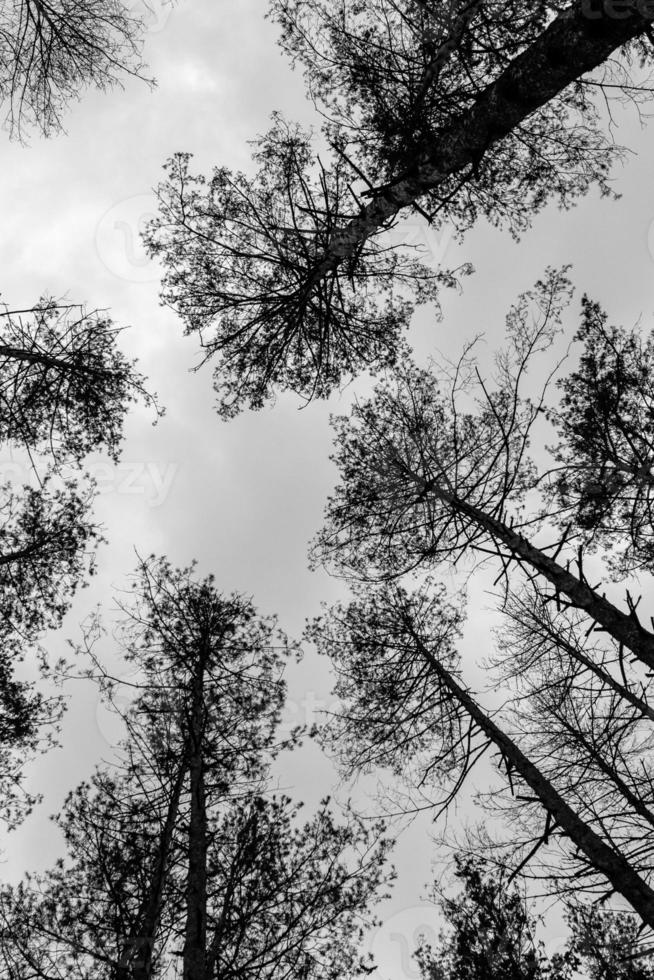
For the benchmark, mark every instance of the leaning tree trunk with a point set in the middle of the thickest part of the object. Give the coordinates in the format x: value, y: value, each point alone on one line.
x: 599, y: 759
x: 577, y: 654
x: 136, y: 960
x: 623, y: 627
x: 577, y: 41
x: 603, y: 858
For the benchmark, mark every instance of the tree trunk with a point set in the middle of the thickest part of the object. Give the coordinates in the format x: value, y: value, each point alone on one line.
x: 576, y: 653
x: 608, y: 862
x: 623, y: 627
x: 576, y: 42
x: 195, y: 938
x: 634, y: 801
x: 50, y: 361
x: 139, y: 948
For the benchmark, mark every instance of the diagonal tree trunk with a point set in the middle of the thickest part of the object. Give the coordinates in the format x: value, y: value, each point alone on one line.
x: 598, y: 758
x: 605, y: 859
x: 579, y: 40
x: 46, y: 360
x: 575, y: 652
x: 136, y: 959
x: 623, y: 627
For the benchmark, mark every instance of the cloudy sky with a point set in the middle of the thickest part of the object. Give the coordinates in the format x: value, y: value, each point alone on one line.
x: 245, y: 497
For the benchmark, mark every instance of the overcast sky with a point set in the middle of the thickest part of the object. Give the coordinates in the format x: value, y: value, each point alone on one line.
x: 245, y: 497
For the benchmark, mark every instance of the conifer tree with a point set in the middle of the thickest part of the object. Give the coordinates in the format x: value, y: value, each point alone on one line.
x: 180, y: 859
x: 52, y: 50
x: 436, y: 473
x: 450, y: 111
x: 65, y: 390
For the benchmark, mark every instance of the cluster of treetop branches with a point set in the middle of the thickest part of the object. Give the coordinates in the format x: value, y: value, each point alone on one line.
x: 180, y: 860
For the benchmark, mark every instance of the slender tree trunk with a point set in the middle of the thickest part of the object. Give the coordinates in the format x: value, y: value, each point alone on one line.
x: 137, y: 954
x: 580, y: 39
x: 634, y: 801
x: 195, y: 938
x: 195, y: 943
x: 49, y: 361
x: 575, y: 653
x: 623, y: 627
x: 217, y: 938
x: 607, y: 861
x: 445, y: 51
x: 236, y: 868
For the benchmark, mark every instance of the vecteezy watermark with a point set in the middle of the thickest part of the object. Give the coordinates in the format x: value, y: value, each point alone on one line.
x: 118, y: 241
x: 307, y: 711
x: 429, y: 242
x: 394, y: 943
x: 150, y: 479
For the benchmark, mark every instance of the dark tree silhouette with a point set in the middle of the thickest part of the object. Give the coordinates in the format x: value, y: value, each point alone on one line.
x: 606, y: 441
x: 435, y: 472
x: 65, y: 386
x: 180, y: 855
x: 236, y: 251
x: 451, y: 111
x: 65, y: 389
x: 405, y: 708
x: 608, y: 945
x: 214, y: 670
x: 52, y: 50
x: 425, y: 482
x: 490, y: 933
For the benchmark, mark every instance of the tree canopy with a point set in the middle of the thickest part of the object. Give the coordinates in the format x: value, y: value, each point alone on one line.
x: 436, y: 472
x: 65, y: 389
x: 454, y: 112
x: 181, y: 849
x: 52, y: 50
x: 491, y: 933
x: 65, y: 385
